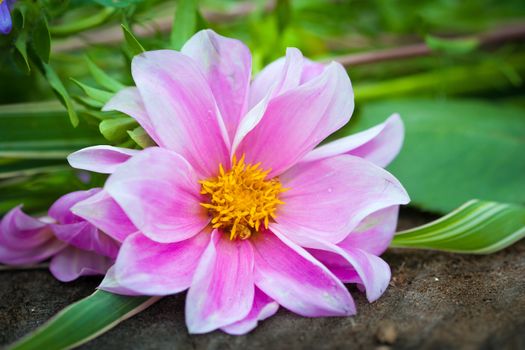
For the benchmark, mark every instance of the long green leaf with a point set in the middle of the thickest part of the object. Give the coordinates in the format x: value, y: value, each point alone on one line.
x: 82, y: 24
x: 59, y: 88
x: 21, y: 48
x: 41, y: 39
x: 84, y: 320
x: 41, y: 131
x: 452, y: 46
x: 184, y: 23
x: 132, y: 43
x: 477, y: 227
x: 98, y: 95
x: 103, y: 78
x: 489, y: 75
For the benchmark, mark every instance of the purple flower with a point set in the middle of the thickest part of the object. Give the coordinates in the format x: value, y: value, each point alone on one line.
x: 5, y: 16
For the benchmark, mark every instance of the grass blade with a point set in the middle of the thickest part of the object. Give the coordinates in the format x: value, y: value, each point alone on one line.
x: 84, y: 320
x: 41, y: 131
x: 477, y: 227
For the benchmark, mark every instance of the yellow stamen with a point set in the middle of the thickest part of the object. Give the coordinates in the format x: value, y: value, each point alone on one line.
x: 241, y: 200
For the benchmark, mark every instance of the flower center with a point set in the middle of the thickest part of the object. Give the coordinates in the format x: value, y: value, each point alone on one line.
x: 241, y: 200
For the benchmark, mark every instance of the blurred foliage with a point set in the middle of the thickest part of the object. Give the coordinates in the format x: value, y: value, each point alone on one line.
x: 80, y: 51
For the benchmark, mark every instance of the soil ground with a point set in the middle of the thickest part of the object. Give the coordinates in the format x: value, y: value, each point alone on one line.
x: 435, y: 301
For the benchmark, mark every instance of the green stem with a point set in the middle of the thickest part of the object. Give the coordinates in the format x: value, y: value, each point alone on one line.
x: 83, y: 24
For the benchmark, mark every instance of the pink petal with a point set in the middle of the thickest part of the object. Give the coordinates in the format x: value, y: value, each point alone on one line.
x: 100, y: 159
x: 379, y: 144
x: 160, y: 193
x: 264, y: 82
x: 147, y: 267
x: 330, y: 197
x: 61, y: 209
x: 74, y: 230
x: 87, y: 237
x: 129, y: 101
x: 72, y: 263
x: 19, y: 230
x: 25, y: 240
x: 110, y: 284
x: 12, y: 256
x: 296, y: 280
x: 182, y: 108
x: 297, y: 120
x: 227, y: 65
x: 263, y: 308
x: 222, y: 291
x: 249, y: 122
x: 103, y: 212
x: 373, y: 272
x: 311, y: 70
x: 338, y: 265
x: 278, y: 77
x: 374, y: 233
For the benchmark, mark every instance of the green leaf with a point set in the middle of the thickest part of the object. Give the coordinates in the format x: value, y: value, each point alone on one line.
x: 15, y: 168
x: 94, y: 93
x: 61, y: 91
x: 39, y: 187
x: 141, y: 138
x: 84, y: 320
x: 184, y: 23
x: 283, y: 12
x: 132, y: 43
x: 41, y: 39
x: 455, y: 150
x: 19, y: 16
x: 89, y: 102
x: 41, y: 131
x: 118, y: 3
x: 21, y: 47
x: 116, y: 130
x: 102, y: 78
x: 488, y: 75
x: 84, y: 23
x: 477, y: 227
x: 452, y: 46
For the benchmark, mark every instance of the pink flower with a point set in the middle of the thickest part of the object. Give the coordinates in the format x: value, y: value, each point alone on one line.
x: 75, y: 246
x: 235, y: 204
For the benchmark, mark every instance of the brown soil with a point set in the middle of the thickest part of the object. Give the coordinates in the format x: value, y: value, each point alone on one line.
x: 435, y: 301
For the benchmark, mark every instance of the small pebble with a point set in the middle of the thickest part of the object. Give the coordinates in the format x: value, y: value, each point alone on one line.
x: 386, y: 333
x: 383, y: 347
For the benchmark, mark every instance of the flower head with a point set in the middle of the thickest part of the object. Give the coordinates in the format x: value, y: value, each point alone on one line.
x: 242, y: 200
x: 75, y: 246
x: 6, y: 22
x: 236, y: 204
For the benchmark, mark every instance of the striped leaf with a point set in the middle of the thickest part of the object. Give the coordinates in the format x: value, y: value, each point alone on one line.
x: 41, y: 130
x: 84, y: 320
x: 477, y: 227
